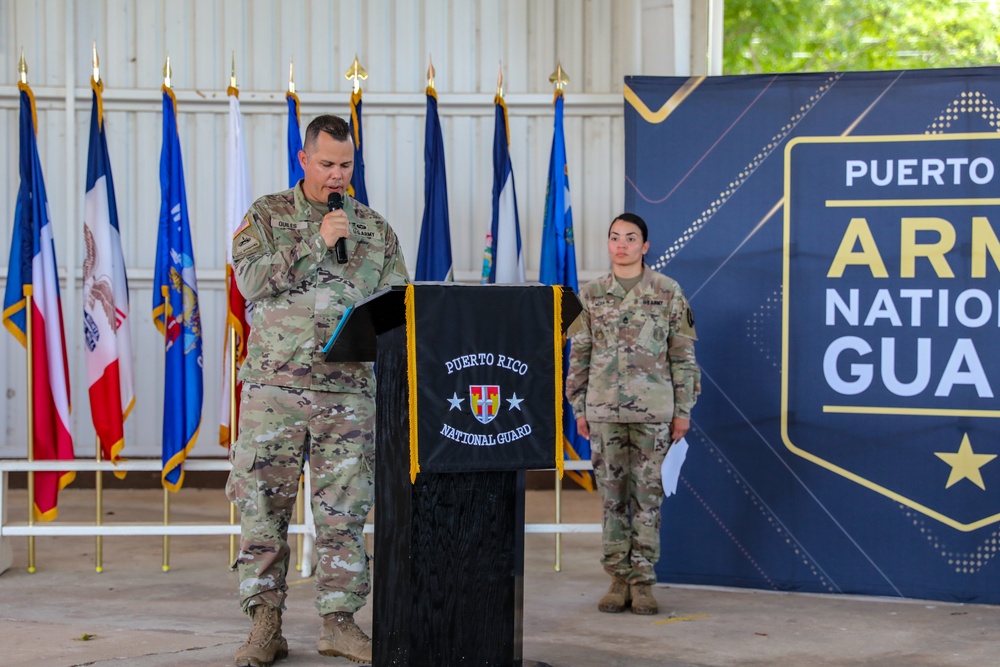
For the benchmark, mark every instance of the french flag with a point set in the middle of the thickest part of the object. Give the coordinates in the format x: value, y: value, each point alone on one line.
x: 32, y: 278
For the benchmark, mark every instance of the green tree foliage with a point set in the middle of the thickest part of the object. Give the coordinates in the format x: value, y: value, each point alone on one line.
x: 835, y: 35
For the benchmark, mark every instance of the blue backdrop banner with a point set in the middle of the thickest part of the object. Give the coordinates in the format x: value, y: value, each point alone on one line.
x: 837, y: 236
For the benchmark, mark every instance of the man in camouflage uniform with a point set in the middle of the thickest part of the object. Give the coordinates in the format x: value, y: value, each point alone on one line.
x: 296, y: 404
x: 632, y: 383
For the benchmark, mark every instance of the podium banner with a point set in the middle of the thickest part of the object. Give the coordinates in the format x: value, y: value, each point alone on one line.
x: 485, y: 368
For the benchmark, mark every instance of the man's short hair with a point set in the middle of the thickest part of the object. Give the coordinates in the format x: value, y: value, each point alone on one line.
x: 335, y: 126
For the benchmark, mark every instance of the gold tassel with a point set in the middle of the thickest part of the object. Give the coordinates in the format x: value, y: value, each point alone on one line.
x: 411, y: 376
x: 557, y: 352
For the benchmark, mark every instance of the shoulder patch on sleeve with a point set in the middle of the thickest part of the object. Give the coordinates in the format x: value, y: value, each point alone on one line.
x: 243, y: 225
x: 685, y: 327
x: 246, y: 242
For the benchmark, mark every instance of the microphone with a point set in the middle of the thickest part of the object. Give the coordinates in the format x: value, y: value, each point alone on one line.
x: 335, y: 202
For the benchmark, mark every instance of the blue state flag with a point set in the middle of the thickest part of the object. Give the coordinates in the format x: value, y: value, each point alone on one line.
x: 506, y: 252
x: 175, y: 307
x: 434, y: 253
x: 558, y: 267
x: 358, y: 189
x: 295, y: 173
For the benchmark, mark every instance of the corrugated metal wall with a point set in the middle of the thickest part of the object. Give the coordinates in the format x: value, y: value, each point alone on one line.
x: 597, y: 41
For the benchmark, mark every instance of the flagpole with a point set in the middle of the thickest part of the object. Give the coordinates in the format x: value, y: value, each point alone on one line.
x: 98, y: 475
x: 560, y: 79
x: 22, y: 70
x: 357, y: 74
x: 232, y: 430
x: 233, y: 90
x: 166, y: 493
x: 99, y: 508
x: 31, y: 425
x: 166, y: 538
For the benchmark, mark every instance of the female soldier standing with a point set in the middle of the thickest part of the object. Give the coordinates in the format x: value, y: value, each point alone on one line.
x: 632, y: 383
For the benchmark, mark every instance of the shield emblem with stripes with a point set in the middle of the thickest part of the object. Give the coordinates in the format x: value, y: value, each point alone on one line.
x: 485, y: 401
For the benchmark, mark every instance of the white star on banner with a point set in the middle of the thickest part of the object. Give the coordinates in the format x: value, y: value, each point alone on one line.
x: 456, y: 402
x: 515, y: 403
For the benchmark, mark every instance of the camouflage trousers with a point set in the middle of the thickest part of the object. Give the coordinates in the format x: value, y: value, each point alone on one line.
x: 278, y: 427
x: 628, y: 459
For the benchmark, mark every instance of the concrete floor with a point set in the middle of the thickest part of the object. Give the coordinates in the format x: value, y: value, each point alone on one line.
x: 134, y: 614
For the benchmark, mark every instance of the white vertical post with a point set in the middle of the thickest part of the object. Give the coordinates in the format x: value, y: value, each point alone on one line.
x: 682, y: 37
x: 6, y: 553
x: 716, y: 14
x: 71, y: 223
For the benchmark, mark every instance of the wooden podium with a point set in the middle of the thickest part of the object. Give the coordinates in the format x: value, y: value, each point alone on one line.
x: 449, y: 545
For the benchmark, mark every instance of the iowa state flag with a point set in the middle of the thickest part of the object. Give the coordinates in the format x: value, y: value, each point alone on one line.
x: 358, y: 189
x: 237, y: 317
x: 106, y: 323
x: 507, y: 255
x: 558, y: 267
x: 434, y: 253
x: 175, y: 307
x: 32, y: 273
x: 295, y: 173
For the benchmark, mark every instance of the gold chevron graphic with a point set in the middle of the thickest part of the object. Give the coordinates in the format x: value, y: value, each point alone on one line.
x: 668, y: 107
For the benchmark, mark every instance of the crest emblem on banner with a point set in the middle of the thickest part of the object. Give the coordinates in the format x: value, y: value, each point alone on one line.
x: 485, y: 401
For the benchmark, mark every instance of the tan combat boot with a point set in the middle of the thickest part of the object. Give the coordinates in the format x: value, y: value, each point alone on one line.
x: 643, y: 601
x: 342, y: 637
x: 265, y: 643
x: 617, y: 597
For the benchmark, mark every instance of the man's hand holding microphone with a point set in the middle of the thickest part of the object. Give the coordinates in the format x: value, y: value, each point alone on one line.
x: 335, y: 227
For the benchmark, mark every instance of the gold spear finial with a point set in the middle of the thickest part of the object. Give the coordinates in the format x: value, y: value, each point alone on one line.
x: 291, y: 75
x: 500, y: 80
x: 356, y: 72
x: 232, y: 76
x: 22, y: 69
x: 167, y: 72
x: 560, y: 78
x: 430, y: 72
x: 97, y: 66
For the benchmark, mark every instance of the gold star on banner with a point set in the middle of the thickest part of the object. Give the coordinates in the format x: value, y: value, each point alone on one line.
x: 965, y: 464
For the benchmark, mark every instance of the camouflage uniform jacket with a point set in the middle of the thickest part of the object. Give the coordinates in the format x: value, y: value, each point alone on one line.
x: 633, y: 354
x: 300, y: 292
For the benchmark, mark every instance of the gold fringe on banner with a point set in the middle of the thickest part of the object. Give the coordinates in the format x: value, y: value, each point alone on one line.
x: 557, y: 352
x: 411, y: 377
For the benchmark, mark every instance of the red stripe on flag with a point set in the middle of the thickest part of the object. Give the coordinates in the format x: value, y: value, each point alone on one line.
x: 106, y: 408
x: 52, y: 439
x: 237, y: 315
x: 236, y: 320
